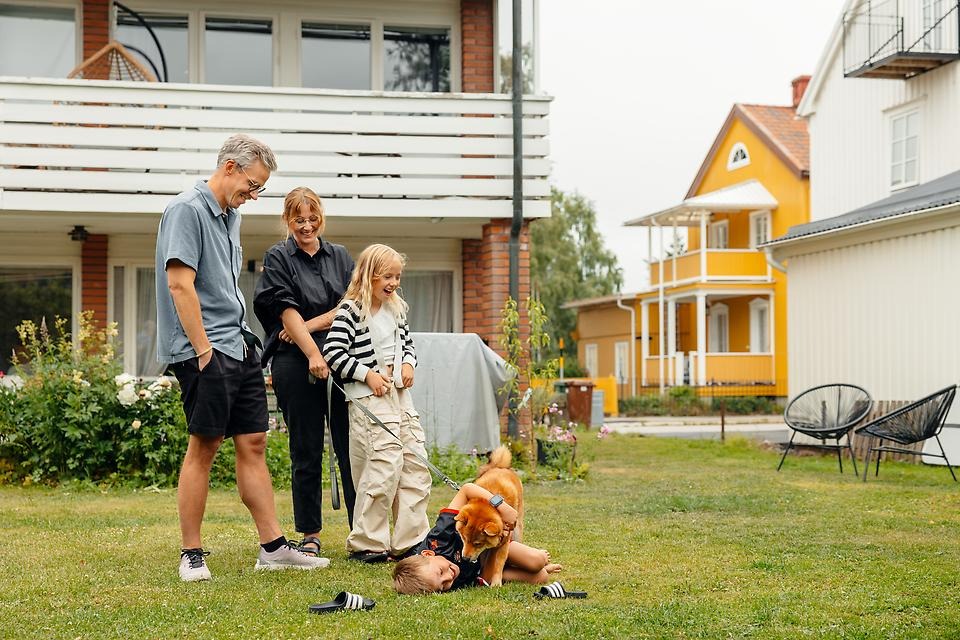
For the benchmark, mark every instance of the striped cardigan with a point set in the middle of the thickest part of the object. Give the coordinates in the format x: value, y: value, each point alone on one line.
x: 350, y: 353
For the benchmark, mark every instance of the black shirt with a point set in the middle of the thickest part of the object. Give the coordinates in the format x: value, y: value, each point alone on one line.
x: 444, y: 541
x: 292, y: 278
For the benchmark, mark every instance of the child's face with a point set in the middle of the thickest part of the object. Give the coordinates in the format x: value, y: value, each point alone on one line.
x: 440, y: 573
x: 387, y: 282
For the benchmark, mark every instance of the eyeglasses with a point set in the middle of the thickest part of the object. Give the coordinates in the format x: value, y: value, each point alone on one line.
x: 302, y: 221
x: 255, y: 187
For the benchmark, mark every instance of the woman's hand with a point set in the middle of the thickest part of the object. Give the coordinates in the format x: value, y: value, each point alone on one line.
x: 406, y: 375
x: 378, y: 383
x: 318, y: 366
x: 285, y: 336
x: 509, y: 516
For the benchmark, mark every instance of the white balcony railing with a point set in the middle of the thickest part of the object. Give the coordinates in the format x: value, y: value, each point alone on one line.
x: 98, y: 146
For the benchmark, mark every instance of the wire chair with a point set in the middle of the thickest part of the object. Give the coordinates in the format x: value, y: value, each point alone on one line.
x: 915, y: 422
x: 827, y: 412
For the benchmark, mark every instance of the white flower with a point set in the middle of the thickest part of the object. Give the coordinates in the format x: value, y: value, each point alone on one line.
x: 127, y: 395
x: 124, y: 379
x: 161, y: 384
x: 135, y: 425
x: 144, y: 394
x: 12, y: 382
x: 78, y: 377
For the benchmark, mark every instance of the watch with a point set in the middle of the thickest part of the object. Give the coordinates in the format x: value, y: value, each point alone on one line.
x: 496, y: 500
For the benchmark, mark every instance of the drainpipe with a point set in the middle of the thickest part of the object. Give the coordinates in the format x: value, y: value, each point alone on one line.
x: 768, y: 254
x: 660, y: 323
x: 633, y: 344
x: 513, y: 429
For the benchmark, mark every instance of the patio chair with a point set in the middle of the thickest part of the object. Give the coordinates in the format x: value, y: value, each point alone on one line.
x: 916, y: 422
x: 827, y: 412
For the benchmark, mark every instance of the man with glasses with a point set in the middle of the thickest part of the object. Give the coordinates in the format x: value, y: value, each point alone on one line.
x: 202, y: 335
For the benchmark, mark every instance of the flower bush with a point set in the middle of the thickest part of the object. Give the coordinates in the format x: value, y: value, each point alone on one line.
x: 69, y: 413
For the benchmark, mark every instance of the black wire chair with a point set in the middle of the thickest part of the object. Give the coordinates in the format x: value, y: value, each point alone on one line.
x: 916, y: 422
x: 827, y: 412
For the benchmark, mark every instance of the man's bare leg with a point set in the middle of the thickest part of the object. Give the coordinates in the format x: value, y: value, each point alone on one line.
x: 192, y: 487
x: 255, y: 486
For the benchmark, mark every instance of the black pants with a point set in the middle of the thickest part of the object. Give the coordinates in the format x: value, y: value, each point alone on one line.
x: 304, y: 406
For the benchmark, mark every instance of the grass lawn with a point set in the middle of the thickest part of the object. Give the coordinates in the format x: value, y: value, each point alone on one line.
x: 671, y: 538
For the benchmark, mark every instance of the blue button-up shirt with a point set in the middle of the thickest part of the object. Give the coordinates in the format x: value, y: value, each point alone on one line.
x: 198, y: 233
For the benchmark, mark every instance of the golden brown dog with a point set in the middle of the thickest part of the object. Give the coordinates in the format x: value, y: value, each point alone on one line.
x: 480, y: 525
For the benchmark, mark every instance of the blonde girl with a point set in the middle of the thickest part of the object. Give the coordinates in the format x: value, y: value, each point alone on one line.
x: 370, y: 349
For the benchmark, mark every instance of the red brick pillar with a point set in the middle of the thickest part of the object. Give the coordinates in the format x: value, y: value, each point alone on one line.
x: 93, y: 288
x: 96, y: 26
x: 479, y: 53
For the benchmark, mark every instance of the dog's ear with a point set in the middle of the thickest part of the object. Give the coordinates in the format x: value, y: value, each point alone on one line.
x: 460, y: 517
x: 491, y: 529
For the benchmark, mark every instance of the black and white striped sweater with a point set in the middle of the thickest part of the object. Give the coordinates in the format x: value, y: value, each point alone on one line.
x: 350, y: 353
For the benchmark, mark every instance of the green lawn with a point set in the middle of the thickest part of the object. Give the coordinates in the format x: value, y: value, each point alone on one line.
x: 671, y: 538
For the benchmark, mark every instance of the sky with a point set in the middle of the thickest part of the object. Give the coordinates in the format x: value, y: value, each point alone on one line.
x: 641, y: 90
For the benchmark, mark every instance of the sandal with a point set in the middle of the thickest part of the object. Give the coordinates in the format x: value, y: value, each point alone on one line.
x: 344, y: 601
x: 313, y: 540
x: 369, y: 557
x: 556, y: 590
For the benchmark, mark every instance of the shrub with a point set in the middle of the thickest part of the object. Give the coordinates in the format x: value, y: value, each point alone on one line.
x: 641, y: 406
x: 747, y: 405
x: 70, y: 414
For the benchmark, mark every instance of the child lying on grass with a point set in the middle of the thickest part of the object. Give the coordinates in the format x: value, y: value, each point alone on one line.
x: 437, y: 562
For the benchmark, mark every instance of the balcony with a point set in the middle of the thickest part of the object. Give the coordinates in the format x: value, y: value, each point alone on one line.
x: 712, y: 265
x: 108, y: 148
x: 738, y: 373
x: 900, y: 39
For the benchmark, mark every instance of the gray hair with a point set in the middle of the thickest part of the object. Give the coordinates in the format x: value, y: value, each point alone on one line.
x: 244, y: 150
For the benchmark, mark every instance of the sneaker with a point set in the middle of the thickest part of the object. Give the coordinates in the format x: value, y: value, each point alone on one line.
x: 287, y: 557
x: 193, y: 567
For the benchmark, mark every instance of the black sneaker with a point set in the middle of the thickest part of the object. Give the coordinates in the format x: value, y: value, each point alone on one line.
x: 369, y: 557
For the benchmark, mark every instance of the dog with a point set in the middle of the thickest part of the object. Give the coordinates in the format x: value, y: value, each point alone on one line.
x: 480, y: 525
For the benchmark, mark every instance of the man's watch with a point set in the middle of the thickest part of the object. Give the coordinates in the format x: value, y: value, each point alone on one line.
x: 496, y: 500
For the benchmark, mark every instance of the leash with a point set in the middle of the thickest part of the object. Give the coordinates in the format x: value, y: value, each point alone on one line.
x: 334, y: 482
x: 447, y: 480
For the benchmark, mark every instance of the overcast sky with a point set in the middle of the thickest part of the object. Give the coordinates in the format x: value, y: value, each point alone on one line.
x: 642, y: 88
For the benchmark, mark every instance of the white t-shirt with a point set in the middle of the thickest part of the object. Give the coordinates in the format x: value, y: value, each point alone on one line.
x: 383, y: 330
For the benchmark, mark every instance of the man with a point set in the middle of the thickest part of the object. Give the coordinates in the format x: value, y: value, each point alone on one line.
x: 202, y: 335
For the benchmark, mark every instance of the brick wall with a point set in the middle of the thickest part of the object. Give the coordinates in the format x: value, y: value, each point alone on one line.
x: 93, y: 288
x: 96, y: 26
x: 478, y: 55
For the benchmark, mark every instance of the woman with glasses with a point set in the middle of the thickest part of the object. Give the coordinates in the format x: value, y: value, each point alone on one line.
x: 304, y: 277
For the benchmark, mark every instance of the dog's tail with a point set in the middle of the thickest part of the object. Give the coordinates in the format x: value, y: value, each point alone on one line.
x: 500, y: 458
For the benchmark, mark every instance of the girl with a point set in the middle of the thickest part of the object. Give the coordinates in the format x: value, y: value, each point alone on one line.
x: 370, y: 349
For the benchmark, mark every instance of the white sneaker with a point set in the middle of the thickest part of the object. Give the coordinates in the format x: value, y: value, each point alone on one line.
x: 286, y: 557
x: 193, y: 567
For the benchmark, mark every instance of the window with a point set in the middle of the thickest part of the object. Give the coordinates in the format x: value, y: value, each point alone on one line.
x: 335, y: 56
x: 718, y: 330
x: 590, y: 359
x: 238, y: 51
x: 904, y: 139
x: 430, y: 296
x: 759, y: 228
x: 37, y: 41
x: 170, y: 30
x: 621, y: 362
x: 416, y: 59
x: 719, y: 235
x: 932, y: 24
x: 759, y: 326
x: 528, y: 45
x: 738, y: 157
x: 31, y: 293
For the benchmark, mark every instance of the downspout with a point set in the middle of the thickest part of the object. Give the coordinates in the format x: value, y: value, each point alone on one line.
x: 513, y: 429
x: 633, y: 344
x: 768, y: 254
x: 653, y: 222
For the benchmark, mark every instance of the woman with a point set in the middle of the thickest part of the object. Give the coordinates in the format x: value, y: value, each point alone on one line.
x: 296, y: 299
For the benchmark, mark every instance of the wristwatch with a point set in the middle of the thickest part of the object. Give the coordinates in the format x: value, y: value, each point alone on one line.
x: 496, y: 500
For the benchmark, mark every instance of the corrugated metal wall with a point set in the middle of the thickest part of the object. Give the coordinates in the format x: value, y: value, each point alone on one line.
x: 884, y: 315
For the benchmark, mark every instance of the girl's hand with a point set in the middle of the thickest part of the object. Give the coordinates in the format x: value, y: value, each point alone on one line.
x: 406, y: 375
x: 378, y: 383
x: 509, y: 516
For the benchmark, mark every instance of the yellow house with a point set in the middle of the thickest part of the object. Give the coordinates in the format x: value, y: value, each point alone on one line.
x: 722, y: 303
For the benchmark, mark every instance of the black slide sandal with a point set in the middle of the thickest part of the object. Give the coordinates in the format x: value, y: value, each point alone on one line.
x: 344, y: 602
x: 556, y: 590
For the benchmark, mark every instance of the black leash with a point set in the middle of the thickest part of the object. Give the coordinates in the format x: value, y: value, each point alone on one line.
x: 440, y: 474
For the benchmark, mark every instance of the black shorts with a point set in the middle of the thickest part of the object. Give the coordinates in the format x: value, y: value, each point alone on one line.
x: 227, y: 398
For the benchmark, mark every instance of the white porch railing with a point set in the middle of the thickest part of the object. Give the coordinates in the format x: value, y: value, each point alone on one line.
x: 98, y: 146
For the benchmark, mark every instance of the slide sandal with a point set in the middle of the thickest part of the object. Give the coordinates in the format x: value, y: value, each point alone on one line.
x: 556, y: 590
x: 343, y: 602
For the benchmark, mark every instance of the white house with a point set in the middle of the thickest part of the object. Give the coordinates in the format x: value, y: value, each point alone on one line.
x: 391, y: 110
x: 871, y: 296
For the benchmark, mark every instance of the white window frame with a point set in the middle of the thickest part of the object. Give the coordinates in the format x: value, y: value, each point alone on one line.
x: 733, y: 162
x: 718, y: 230
x: 759, y: 220
x: 718, y: 336
x: 77, y: 7
x: 130, y: 320
x: 621, y: 361
x: 931, y: 11
x: 893, y: 162
x: 590, y: 361
x: 758, y: 305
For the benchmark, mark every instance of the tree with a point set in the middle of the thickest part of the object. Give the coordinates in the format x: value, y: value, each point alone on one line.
x: 569, y: 261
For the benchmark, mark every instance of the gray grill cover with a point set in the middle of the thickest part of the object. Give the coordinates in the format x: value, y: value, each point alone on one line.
x: 456, y: 390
